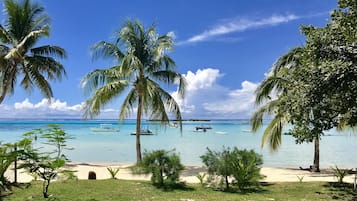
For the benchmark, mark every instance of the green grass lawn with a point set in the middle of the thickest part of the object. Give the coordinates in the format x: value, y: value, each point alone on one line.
x: 106, y: 190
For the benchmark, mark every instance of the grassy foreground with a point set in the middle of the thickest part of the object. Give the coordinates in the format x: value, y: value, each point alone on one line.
x: 106, y: 190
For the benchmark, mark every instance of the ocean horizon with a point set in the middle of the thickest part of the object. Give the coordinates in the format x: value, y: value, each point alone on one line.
x: 336, y: 148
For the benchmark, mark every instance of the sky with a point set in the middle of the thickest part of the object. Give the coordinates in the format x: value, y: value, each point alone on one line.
x: 223, y: 48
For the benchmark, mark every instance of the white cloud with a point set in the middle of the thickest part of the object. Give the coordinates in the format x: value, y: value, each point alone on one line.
x: 238, y: 25
x: 205, y: 98
x: 46, y: 108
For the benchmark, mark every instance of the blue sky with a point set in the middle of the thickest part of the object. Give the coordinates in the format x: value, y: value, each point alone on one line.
x: 224, y: 48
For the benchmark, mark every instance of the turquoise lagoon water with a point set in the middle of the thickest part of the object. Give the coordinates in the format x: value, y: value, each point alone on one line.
x: 335, y: 148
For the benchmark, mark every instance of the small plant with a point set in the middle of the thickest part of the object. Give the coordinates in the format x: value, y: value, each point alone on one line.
x: 201, y: 178
x: 164, y: 166
x: 340, y: 174
x: 113, y: 172
x: 300, y: 178
x: 47, y: 165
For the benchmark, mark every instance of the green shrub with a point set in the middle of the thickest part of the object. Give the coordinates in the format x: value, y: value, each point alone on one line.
x: 246, y: 168
x: 164, y: 166
x: 242, y: 165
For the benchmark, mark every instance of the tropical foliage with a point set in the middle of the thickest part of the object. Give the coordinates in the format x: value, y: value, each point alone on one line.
x: 242, y: 165
x: 142, y: 64
x: 9, y: 153
x: 313, y: 87
x: 25, y: 24
x: 164, y: 167
x: 48, y: 164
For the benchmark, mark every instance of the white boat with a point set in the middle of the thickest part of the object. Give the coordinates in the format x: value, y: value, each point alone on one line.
x: 143, y: 132
x: 173, y: 125
x: 105, y: 128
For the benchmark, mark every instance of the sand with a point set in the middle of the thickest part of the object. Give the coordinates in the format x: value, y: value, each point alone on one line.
x: 272, y: 174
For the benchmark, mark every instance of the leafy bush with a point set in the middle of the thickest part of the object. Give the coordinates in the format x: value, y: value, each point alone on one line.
x: 164, y: 166
x: 242, y: 165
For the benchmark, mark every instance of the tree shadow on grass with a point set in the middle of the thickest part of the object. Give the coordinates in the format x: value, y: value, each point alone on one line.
x: 249, y: 190
x: 174, y: 187
x: 341, y: 191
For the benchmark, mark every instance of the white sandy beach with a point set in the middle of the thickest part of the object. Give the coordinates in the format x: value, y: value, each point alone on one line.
x: 272, y: 174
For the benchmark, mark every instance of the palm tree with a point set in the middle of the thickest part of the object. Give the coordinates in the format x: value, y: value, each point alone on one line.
x: 275, y: 84
x: 25, y: 25
x: 278, y: 83
x: 142, y: 65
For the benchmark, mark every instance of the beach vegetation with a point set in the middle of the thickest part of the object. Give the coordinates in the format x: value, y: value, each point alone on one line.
x: 9, y: 154
x: 164, y: 166
x: 340, y: 174
x: 201, y: 178
x: 313, y: 87
x: 239, y: 167
x: 47, y: 164
x: 300, y: 178
x: 113, y: 172
x: 25, y: 25
x: 142, y: 64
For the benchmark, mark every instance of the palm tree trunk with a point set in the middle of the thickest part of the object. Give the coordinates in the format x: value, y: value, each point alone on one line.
x: 2, y: 96
x: 316, y: 166
x: 138, y: 122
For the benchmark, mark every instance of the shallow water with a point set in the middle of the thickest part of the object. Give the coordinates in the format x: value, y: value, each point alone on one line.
x: 335, y: 148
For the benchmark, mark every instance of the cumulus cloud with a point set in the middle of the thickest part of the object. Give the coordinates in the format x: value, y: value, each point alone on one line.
x: 46, y: 108
x: 238, y: 25
x: 205, y: 98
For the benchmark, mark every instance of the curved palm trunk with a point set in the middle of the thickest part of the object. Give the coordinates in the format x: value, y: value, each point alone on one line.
x: 316, y: 166
x: 138, y: 125
x: 2, y: 96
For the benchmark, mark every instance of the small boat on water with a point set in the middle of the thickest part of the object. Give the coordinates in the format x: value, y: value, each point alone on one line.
x: 143, y: 132
x: 202, y: 128
x: 173, y: 125
x: 105, y: 128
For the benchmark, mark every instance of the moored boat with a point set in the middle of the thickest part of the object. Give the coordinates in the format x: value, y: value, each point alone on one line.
x: 105, y: 128
x: 143, y: 132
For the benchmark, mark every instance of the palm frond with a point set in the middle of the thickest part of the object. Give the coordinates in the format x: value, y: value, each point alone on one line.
x: 128, y: 104
x: 48, y: 50
x: 52, y: 69
x: 103, y: 96
x: 273, y: 133
x: 256, y: 120
x: 41, y: 82
x: 106, y: 50
x: 266, y: 89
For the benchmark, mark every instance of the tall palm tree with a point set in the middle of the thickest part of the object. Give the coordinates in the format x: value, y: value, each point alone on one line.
x: 142, y: 64
x: 25, y: 25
